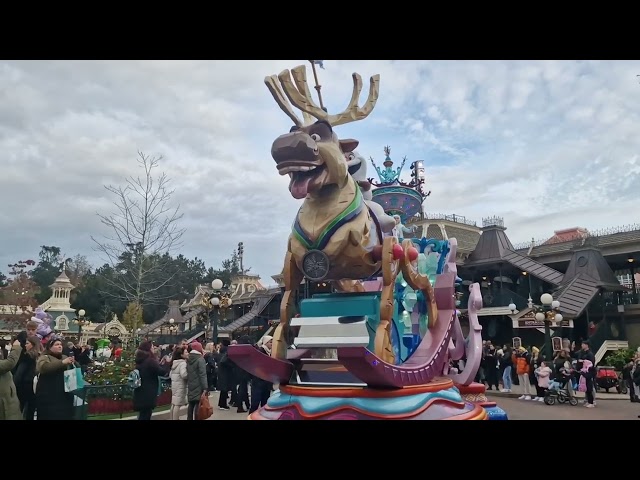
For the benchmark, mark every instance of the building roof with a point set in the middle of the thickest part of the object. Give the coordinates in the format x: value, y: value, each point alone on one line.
x: 587, y: 274
x: 258, y: 306
x: 588, y: 261
x: 575, y: 295
x: 62, y: 281
x: 567, y: 235
x: 494, y: 247
x: 174, y: 312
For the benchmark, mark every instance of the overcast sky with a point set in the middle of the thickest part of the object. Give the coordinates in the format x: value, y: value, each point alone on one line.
x: 545, y: 144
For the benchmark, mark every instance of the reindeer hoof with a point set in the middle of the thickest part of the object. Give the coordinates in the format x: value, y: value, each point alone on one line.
x: 412, y: 253
x: 376, y: 253
x: 398, y: 252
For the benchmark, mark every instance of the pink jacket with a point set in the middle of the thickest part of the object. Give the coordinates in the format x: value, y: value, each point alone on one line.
x: 543, y: 377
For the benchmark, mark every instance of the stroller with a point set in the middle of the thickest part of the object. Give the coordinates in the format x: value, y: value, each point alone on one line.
x: 558, y: 390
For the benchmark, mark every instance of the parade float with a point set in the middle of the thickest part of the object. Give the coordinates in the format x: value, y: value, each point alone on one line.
x: 380, y: 347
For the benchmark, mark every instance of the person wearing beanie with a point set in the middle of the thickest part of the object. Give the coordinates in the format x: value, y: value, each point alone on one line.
x: 52, y: 402
x: 197, y: 384
x: 145, y: 397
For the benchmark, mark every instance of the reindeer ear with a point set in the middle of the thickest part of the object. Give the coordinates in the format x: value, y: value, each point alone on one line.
x: 348, y: 145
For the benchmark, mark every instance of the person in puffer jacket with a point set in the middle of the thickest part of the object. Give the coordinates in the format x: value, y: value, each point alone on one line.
x: 178, y: 377
x: 196, y: 378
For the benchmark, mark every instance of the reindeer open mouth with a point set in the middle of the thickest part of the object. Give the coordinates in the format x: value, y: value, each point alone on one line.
x: 305, y: 178
x: 297, y: 155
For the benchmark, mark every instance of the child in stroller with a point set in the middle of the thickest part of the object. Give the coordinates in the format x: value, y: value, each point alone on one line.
x: 561, y: 387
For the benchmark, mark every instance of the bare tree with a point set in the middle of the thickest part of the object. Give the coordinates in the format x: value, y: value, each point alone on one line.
x: 144, y: 229
x: 77, y: 268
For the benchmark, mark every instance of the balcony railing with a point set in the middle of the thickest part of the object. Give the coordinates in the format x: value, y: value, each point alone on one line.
x: 441, y: 216
x: 592, y: 233
x: 492, y: 299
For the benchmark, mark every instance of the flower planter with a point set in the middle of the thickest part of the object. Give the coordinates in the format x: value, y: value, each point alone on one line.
x: 117, y: 399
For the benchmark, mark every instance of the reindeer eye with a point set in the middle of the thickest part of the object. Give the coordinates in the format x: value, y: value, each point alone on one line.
x: 351, y: 156
x: 315, y: 137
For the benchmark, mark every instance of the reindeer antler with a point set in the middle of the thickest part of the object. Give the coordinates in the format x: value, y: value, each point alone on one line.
x: 298, y: 93
x: 276, y: 91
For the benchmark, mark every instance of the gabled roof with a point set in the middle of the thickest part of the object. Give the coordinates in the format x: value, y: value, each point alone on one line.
x: 494, y: 247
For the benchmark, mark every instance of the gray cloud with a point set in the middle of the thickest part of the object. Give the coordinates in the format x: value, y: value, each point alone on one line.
x: 546, y: 144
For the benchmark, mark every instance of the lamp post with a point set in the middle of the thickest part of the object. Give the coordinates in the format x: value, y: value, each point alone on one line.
x: 80, y: 321
x: 220, y: 300
x: 172, y: 327
x: 549, y: 312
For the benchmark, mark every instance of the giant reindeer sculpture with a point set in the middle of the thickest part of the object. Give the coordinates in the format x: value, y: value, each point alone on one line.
x: 336, y: 236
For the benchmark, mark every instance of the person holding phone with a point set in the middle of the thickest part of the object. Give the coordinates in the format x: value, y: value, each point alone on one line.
x: 52, y: 402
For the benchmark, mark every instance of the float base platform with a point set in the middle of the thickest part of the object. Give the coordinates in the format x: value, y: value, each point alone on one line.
x: 437, y: 400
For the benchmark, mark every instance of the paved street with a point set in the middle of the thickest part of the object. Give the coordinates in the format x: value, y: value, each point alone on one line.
x: 217, y: 413
x: 516, y: 391
x: 613, y: 407
x: 604, y: 410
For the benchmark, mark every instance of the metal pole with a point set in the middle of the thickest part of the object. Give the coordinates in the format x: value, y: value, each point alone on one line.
x: 318, y: 86
x: 215, y: 325
x: 547, y: 335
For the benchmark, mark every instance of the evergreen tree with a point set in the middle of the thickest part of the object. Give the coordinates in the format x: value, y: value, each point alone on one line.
x: 113, y: 372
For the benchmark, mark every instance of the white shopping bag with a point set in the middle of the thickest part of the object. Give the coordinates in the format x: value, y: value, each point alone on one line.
x: 77, y: 401
x: 70, y: 380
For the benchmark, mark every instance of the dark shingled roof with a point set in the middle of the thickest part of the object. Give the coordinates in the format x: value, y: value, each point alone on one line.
x: 494, y: 247
x: 588, y: 272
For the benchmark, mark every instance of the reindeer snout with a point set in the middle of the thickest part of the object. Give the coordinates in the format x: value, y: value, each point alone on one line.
x: 297, y: 146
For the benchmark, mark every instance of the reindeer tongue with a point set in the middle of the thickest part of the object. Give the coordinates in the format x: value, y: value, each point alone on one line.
x: 299, y: 186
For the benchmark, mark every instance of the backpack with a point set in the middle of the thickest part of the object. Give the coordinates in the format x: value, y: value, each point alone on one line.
x: 134, y: 381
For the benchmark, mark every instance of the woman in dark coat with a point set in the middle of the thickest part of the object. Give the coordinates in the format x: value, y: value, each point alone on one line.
x: 261, y: 389
x: 52, y: 402
x: 145, y: 397
x: 24, y: 377
x: 225, y: 375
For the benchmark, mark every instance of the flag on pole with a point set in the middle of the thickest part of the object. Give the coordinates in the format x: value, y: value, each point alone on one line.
x: 320, y: 63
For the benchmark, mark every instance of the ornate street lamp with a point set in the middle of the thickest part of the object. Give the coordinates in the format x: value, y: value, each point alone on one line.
x: 81, y: 321
x: 219, y: 300
x: 549, y: 312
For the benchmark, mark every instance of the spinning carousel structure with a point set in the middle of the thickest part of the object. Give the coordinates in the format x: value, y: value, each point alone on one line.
x: 380, y: 354
x: 395, y: 196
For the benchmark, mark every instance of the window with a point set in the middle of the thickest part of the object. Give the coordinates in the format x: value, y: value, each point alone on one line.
x: 62, y: 323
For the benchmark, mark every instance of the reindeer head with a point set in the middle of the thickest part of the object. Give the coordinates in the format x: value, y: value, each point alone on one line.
x: 311, y: 152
